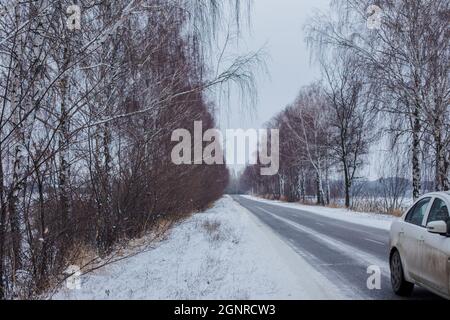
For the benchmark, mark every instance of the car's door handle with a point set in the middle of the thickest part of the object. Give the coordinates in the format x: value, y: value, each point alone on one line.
x: 401, y: 233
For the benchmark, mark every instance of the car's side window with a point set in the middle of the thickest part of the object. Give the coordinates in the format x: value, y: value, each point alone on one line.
x: 416, y: 214
x: 439, y: 211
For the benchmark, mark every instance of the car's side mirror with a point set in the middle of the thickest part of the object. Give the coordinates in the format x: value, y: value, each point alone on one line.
x: 438, y: 227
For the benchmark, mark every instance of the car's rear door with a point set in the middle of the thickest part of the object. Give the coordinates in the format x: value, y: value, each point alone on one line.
x: 436, y: 251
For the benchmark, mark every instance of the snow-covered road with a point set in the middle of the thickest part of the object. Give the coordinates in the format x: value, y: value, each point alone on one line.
x: 223, y: 253
x: 344, y: 246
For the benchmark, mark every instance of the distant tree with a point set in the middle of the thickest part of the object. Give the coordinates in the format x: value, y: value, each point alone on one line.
x: 406, y: 59
x: 350, y: 115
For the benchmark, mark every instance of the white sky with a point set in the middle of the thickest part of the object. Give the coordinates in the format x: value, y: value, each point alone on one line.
x: 276, y: 25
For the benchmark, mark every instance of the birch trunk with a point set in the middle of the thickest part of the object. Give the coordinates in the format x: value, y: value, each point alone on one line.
x: 416, y: 170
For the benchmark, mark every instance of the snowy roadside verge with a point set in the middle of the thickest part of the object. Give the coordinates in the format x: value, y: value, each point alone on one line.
x: 379, y: 221
x: 222, y: 253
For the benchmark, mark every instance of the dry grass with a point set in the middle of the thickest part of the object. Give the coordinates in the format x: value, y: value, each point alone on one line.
x: 213, y: 230
x: 397, y: 212
x: 211, y: 226
x: 336, y: 206
x: 163, y: 225
x: 83, y: 256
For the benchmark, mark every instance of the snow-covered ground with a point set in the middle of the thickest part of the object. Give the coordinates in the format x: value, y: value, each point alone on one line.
x: 380, y: 221
x: 223, y: 253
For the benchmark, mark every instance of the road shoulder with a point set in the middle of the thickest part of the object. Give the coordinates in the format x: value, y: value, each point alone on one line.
x: 223, y: 253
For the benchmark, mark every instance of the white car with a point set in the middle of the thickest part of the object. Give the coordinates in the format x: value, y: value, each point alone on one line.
x: 420, y: 247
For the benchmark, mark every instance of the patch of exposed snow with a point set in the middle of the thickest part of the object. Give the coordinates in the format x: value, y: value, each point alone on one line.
x: 379, y: 221
x: 223, y: 253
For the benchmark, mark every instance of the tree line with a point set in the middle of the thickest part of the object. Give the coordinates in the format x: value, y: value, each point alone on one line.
x: 85, y: 127
x: 384, y: 83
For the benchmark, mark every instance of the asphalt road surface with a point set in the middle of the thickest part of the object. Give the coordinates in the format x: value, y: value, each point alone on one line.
x: 340, y: 250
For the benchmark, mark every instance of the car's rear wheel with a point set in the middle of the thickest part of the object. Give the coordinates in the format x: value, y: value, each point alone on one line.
x: 400, y: 286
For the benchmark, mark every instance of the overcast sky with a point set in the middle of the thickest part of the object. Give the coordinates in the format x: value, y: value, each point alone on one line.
x: 277, y: 26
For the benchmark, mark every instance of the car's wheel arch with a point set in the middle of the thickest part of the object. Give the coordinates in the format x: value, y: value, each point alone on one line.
x: 405, y: 269
x: 393, y: 250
